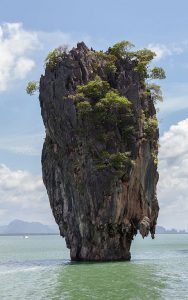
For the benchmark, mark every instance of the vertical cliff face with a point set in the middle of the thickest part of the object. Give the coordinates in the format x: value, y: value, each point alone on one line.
x: 99, y: 156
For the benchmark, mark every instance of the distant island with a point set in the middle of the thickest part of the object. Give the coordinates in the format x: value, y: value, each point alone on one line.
x: 162, y: 230
x: 19, y: 227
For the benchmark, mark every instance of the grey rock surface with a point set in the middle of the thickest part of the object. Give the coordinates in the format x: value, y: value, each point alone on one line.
x: 98, y: 209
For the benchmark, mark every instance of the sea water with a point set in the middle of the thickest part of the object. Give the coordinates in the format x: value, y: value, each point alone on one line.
x: 39, y: 268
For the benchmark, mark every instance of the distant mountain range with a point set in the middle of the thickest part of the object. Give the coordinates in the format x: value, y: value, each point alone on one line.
x: 17, y: 227
x: 162, y: 230
x: 22, y: 227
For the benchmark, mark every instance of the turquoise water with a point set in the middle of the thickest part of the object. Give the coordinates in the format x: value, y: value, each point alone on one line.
x: 39, y: 268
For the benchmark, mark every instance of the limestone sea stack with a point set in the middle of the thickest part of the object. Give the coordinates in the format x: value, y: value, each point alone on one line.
x: 99, y: 158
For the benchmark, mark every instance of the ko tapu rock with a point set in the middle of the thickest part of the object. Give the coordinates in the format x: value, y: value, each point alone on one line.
x: 99, y: 158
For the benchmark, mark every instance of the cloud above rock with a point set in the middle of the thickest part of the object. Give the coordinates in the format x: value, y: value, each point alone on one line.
x: 162, y: 50
x: 23, y: 196
x: 16, y: 46
x: 173, y: 183
x: 19, y: 46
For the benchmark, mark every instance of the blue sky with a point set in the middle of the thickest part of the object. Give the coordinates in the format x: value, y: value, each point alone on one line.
x: 28, y: 31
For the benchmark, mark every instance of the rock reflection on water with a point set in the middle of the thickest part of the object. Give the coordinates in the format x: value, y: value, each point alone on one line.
x: 125, y: 280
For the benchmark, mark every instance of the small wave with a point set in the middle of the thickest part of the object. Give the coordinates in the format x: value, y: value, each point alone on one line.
x: 183, y: 251
x: 31, y: 264
x: 16, y: 270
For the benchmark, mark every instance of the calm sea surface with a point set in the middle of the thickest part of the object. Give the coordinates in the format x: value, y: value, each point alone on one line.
x: 39, y: 268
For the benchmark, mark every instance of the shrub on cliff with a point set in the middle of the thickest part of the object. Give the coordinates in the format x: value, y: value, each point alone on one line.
x: 154, y: 91
x: 121, y: 49
x: 84, y: 107
x: 32, y: 87
x: 150, y: 127
x: 55, y: 56
x: 140, y: 58
x: 120, y: 162
x: 95, y: 89
x: 157, y: 73
x: 113, y: 100
x: 105, y: 59
x: 144, y: 55
x: 112, y: 107
x: 109, y: 107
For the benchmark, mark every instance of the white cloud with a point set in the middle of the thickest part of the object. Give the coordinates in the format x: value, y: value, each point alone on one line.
x: 15, y: 46
x: 163, y: 51
x: 175, y: 141
x: 22, y: 67
x: 18, y: 46
x: 23, y: 196
x: 173, y: 183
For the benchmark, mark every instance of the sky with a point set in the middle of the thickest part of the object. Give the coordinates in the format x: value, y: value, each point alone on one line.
x: 28, y: 31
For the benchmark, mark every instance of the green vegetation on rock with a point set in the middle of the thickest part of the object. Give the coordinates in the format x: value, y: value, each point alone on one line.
x: 95, y: 89
x: 121, y: 49
x: 113, y: 100
x: 140, y: 59
x: 106, y: 104
x: 84, y: 107
x: 144, y: 55
x: 150, y: 127
x: 32, y: 87
x: 55, y: 56
x: 154, y: 91
x: 120, y: 162
x: 106, y: 60
x: 154, y: 155
x: 157, y: 73
x: 114, y: 108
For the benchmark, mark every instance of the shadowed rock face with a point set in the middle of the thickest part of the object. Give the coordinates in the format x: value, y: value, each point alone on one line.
x: 98, y: 199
